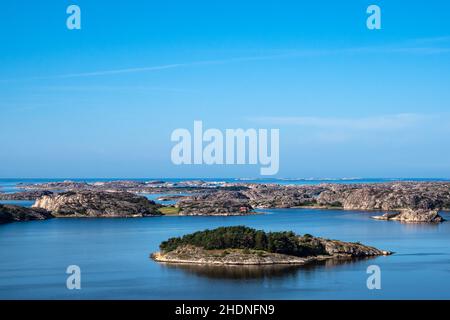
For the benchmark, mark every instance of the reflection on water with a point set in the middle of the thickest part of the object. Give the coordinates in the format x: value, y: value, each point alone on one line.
x: 423, y: 254
x: 236, y: 271
x: 245, y: 272
x: 419, y: 226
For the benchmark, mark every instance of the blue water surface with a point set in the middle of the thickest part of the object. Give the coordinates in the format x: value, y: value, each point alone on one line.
x: 113, y: 255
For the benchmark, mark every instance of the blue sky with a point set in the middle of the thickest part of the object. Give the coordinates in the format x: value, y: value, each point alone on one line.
x: 102, y: 101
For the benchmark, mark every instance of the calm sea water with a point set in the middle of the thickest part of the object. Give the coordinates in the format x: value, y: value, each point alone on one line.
x: 113, y: 255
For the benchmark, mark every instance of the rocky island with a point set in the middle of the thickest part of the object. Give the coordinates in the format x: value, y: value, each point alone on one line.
x: 412, y: 216
x: 241, y: 245
x: 98, y: 204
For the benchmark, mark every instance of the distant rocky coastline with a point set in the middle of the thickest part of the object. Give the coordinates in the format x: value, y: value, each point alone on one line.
x: 245, y: 246
x: 125, y: 186
x: 406, y: 201
x: 25, y: 195
x: 414, y: 202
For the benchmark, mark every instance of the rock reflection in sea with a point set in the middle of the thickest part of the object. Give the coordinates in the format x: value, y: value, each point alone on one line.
x: 244, y: 272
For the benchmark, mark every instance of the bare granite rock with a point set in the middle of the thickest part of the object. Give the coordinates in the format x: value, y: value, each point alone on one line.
x: 338, y: 248
x: 413, y: 216
x: 388, y: 196
x: 280, y: 196
x: 98, y: 204
x: 217, y: 203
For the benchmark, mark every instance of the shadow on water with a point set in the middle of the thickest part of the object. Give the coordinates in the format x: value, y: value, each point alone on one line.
x: 247, y: 272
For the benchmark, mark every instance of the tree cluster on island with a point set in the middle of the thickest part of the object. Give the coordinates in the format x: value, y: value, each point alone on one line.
x: 241, y: 237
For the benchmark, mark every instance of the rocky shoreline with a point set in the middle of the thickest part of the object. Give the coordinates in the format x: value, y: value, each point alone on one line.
x: 245, y: 248
x: 195, y: 255
x: 199, y: 256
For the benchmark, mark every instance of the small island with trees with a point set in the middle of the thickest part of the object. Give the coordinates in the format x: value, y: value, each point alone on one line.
x: 240, y: 245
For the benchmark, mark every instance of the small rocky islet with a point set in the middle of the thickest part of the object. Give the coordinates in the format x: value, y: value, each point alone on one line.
x: 240, y: 245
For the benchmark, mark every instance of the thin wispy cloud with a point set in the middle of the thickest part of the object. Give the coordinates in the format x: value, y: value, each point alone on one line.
x: 435, y: 45
x: 170, y: 66
x: 119, y: 71
x: 111, y: 88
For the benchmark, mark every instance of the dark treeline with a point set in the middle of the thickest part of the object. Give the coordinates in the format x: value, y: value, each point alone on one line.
x: 241, y: 237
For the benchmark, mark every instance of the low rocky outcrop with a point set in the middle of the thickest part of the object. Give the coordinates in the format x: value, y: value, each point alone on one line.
x: 98, y: 204
x: 336, y: 248
x: 413, y: 216
x: 11, y: 213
